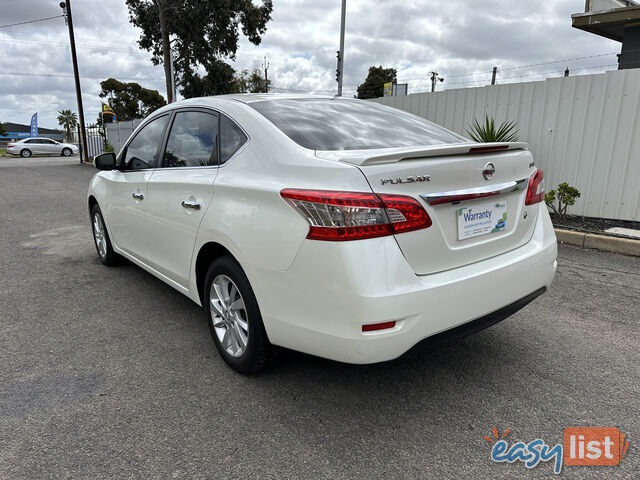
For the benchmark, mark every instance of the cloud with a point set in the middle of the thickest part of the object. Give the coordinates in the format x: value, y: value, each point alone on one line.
x: 455, y: 38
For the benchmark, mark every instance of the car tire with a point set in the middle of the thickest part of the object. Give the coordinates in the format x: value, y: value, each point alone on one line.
x: 25, y: 153
x: 101, y: 238
x: 66, y: 152
x: 234, y: 318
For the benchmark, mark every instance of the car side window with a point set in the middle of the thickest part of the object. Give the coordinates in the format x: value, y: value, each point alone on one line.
x: 232, y: 138
x: 31, y: 141
x: 193, y: 140
x: 142, y: 151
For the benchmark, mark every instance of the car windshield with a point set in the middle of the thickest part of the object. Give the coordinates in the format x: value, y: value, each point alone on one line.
x: 339, y: 124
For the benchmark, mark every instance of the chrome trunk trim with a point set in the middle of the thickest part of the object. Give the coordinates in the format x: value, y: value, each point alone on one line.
x: 474, y: 192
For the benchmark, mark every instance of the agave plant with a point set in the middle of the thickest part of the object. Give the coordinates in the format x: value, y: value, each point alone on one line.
x: 487, y: 132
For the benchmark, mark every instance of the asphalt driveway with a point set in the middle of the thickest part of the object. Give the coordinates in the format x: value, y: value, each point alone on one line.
x: 109, y: 373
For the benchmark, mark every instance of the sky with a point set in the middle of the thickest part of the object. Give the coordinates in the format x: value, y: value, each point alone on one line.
x: 460, y: 39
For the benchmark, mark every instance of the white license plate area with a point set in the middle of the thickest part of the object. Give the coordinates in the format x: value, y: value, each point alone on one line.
x: 481, y: 219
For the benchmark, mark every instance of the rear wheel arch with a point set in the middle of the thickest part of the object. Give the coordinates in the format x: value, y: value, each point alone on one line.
x: 206, y: 255
x: 92, y: 201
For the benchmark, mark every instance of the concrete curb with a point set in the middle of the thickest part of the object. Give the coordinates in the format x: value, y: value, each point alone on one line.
x: 625, y: 246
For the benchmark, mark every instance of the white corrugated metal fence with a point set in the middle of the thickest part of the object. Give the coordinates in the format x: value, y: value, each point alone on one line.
x: 118, y: 133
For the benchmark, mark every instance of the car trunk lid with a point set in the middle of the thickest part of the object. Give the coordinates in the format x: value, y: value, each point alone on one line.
x: 474, y: 194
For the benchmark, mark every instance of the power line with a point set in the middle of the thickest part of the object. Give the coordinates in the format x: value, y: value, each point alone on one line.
x: 559, y: 71
x: 30, y: 21
x: 66, y: 45
x: 562, y: 60
x: 60, y: 75
x: 485, y: 80
x: 559, y: 61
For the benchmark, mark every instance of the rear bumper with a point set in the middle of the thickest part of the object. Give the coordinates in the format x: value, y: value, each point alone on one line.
x: 448, y: 336
x: 320, y: 303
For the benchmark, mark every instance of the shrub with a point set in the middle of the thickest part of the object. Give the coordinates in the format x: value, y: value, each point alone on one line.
x: 566, y: 195
x: 108, y: 147
x: 487, y: 132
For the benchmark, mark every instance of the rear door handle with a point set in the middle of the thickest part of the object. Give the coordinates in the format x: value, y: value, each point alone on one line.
x: 191, y: 204
x: 138, y: 196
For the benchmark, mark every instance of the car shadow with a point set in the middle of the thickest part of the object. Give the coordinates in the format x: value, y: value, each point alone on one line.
x: 473, y: 361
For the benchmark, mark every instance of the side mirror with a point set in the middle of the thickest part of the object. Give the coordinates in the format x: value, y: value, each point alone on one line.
x: 105, y: 161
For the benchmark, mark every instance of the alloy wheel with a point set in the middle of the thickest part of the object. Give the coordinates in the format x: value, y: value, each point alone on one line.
x: 229, y: 316
x: 99, y: 234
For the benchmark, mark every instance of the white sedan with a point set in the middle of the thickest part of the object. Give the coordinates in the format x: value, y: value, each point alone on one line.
x: 336, y: 227
x: 41, y: 146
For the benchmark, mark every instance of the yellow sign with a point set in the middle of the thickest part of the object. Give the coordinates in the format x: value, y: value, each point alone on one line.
x: 107, y: 109
x: 388, y: 89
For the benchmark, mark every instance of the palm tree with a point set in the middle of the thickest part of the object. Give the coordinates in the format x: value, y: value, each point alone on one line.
x: 68, y: 120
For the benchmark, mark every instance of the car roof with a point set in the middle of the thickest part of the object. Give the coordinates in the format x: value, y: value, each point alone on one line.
x: 246, y: 98
x: 220, y: 101
x: 259, y: 97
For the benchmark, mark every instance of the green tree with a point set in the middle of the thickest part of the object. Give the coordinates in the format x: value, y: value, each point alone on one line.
x: 200, y: 33
x: 67, y: 120
x: 129, y: 100
x: 218, y: 81
x: 2, y: 130
x: 373, y: 85
x: 250, y: 81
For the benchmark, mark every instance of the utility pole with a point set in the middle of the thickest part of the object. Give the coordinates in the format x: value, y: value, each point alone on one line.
x: 434, y: 79
x: 66, y: 10
x: 340, y: 68
x: 338, y: 79
x: 493, y: 76
x: 266, y: 81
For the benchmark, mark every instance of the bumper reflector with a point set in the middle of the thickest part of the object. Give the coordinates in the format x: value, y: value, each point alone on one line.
x: 372, y: 327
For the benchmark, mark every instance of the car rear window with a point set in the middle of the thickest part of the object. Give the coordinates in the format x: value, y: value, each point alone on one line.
x: 341, y: 124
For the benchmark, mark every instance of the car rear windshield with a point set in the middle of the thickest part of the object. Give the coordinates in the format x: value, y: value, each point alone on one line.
x: 340, y: 124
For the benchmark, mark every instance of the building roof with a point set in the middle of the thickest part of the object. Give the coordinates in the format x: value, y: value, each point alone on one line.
x: 21, y: 128
x: 608, y: 23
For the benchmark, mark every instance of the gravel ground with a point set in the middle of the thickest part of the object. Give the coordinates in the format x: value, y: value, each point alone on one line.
x: 109, y: 373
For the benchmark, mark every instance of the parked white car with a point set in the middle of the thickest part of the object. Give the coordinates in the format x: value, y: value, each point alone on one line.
x: 336, y: 227
x: 40, y: 146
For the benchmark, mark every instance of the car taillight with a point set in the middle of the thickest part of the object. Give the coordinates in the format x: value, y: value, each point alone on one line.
x: 535, y: 191
x: 11, y: 145
x: 340, y: 216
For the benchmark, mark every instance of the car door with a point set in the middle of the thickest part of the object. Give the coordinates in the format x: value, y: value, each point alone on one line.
x: 181, y: 190
x: 34, y: 146
x: 125, y: 205
x: 50, y: 147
